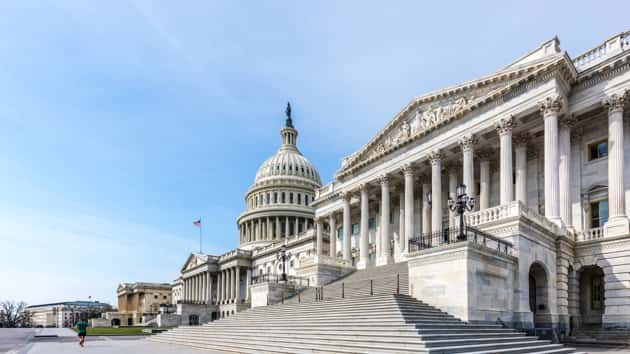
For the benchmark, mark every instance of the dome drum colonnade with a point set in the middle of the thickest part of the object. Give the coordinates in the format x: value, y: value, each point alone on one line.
x: 278, y: 204
x: 556, y: 137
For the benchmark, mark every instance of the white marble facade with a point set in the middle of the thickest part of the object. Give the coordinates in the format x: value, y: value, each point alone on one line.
x: 543, y: 145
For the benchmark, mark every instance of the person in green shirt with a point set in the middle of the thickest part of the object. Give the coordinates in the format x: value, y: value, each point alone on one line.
x: 82, y: 329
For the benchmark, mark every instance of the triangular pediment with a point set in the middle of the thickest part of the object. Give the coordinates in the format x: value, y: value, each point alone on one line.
x: 193, y: 261
x: 428, y: 112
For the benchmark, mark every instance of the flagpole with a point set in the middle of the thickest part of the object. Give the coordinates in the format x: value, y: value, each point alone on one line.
x: 200, y: 226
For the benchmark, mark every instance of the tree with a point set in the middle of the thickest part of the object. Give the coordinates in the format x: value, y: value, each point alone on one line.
x: 14, y: 314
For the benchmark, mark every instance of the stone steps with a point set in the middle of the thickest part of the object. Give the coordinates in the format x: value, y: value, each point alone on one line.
x: 383, y: 323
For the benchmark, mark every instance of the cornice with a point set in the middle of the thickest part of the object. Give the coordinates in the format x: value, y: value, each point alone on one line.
x: 556, y: 66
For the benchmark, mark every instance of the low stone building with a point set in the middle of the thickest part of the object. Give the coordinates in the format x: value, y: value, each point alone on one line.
x: 139, y: 303
x: 65, y: 314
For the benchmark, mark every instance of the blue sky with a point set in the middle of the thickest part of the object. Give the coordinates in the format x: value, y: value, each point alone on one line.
x: 123, y: 121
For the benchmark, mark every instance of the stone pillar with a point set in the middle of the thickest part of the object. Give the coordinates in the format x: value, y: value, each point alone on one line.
x: 550, y: 109
x: 364, y: 232
x: 269, y: 229
x: 278, y: 230
x: 618, y: 223
x: 209, y: 288
x: 400, y: 245
x: 237, y: 286
x: 347, y: 228
x: 564, y: 171
x: 223, y: 286
x: 436, y: 190
x: 506, y: 184
x: 203, y: 287
x: 385, y: 257
x: 452, y: 193
x: 287, y: 228
x: 249, y: 283
x: 426, y: 206
x: 219, y: 287
x: 259, y: 230
x: 319, y: 237
x: 484, y: 181
x: 520, y: 143
x: 468, y: 165
x: 297, y: 224
x: 332, y: 242
x: 409, y: 206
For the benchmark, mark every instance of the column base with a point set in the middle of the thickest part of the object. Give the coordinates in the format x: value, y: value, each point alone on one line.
x: 617, y: 226
x: 384, y: 260
x: 362, y: 264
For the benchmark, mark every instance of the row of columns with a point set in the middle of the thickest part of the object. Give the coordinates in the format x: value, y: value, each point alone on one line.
x: 199, y: 288
x: 512, y: 180
x: 270, y: 228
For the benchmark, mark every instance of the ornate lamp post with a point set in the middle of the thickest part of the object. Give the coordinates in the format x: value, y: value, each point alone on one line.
x: 282, y: 256
x: 460, y: 205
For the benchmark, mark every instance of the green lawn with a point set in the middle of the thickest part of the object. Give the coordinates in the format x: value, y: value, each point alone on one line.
x: 110, y: 331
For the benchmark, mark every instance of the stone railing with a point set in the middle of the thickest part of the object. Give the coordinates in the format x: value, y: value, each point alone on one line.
x: 590, y: 234
x: 514, y: 209
x: 614, y: 45
x: 234, y: 253
x: 291, y: 239
x: 333, y: 261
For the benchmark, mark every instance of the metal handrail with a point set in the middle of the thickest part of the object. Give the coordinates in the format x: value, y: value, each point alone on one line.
x: 448, y: 236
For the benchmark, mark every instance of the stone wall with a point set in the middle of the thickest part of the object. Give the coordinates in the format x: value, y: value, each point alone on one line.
x: 473, y: 283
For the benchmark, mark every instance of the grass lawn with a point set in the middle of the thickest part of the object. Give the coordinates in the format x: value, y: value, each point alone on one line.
x: 111, y: 331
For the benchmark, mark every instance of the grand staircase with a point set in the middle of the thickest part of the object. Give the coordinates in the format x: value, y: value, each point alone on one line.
x: 388, y: 321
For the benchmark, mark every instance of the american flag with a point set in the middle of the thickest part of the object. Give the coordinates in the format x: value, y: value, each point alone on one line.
x: 197, y: 223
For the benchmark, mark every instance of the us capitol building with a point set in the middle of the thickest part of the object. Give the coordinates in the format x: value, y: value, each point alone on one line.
x: 541, y: 146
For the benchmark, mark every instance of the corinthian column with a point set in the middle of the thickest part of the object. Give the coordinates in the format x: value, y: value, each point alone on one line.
x: 468, y: 166
x: 320, y: 239
x: 452, y: 192
x: 347, y: 229
x: 436, y: 190
x: 564, y: 170
x: 400, y: 245
x: 520, y: 143
x: 618, y: 223
x: 484, y: 180
x: 385, y: 256
x: 550, y: 109
x: 506, y: 184
x: 364, y: 232
x: 237, y: 285
x: 409, y: 207
x: 426, y: 206
x: 332, y: 239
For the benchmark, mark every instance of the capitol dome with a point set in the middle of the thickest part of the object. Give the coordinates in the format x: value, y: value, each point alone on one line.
x: 287, y: 163
x: 278, y: 203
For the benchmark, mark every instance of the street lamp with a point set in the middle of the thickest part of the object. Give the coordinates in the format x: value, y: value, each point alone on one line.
x: 282, y: 256
x: 460, y: 205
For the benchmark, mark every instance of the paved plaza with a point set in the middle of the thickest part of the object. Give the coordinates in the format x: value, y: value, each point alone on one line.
x: 23, y: 341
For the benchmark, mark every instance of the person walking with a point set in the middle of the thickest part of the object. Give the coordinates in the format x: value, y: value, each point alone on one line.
x: 82, y: 330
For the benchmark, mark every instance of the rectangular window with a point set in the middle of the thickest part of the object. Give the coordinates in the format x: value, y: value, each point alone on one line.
x: 340, y: 233
x: 371, y: 223
x: 299, y: 198
x: 275, y: 197
x: 283, y: 198
x: 306, y: 199
x: 599, y: 213
x: 598, y: 150
x: 291, y: 198
x: 355, y: 229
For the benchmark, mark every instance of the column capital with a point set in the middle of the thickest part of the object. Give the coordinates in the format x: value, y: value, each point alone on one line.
x: 345, y: 196
x: 568, y: 121
x: 407, y: 169
x: 505, y: 125
x: 383, y: 179
x: 551, y: 105
x: 467, y: 141
x: 521, y: 139
x: 435, y: 157
x: 616, y: 102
